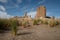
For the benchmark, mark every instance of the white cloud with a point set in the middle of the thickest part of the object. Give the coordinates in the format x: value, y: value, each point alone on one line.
x: 3, y: 13
x: 3, y: 1
x: 2, y: 8
x: 32, y: 14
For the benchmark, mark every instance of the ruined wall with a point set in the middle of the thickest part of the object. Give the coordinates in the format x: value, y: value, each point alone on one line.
x: 41, y: 12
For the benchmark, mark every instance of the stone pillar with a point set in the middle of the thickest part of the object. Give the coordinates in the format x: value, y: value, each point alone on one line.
x: 41, y: 12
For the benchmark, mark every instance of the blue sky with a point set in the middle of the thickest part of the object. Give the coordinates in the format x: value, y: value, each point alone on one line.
x: 10, y: 8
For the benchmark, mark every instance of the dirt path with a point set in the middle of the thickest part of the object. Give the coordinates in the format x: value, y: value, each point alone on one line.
x: 40, y: 32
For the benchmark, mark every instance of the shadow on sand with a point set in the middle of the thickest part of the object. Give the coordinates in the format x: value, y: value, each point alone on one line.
x: 4, y: 30
x: 24, y: 33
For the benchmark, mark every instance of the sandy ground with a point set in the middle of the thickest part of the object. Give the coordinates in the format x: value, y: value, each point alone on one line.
x: 40, y: 32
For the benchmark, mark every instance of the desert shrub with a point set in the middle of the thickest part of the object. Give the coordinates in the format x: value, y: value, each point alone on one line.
x: 25, y: 23
x: 39, y: 20
x: 14, y: 26
x: 20, y: 23
x: 53, y: 23
x: 45, y: 21
x: 5, y: 24
x: 35, y: 22
x: 42, y: 21
x: 57, y: 22
x: 9, y: 24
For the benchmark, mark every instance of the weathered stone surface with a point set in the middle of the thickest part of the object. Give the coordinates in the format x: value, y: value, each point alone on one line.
x: 41, y: 12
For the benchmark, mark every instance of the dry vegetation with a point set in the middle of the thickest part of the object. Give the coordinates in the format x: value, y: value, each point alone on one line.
x: 12, y: 25
x: 9, y: 23
x: 51, y: 23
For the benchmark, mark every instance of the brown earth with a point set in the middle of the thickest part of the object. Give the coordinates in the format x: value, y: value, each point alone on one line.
x: 40, y: 32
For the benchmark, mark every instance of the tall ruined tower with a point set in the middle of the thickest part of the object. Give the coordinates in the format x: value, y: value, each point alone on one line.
x: 41, y: 12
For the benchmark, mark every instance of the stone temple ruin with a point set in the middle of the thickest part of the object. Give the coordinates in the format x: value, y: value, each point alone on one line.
x: 41, y: 12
